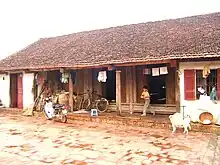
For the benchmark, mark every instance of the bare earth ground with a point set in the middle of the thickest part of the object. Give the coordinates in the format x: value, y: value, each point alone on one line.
x: 36, y: 141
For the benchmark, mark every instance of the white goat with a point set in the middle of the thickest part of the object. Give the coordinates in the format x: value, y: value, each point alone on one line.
x: 178, y: 121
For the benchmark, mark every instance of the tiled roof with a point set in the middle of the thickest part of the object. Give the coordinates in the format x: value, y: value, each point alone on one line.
x: 183, y: 38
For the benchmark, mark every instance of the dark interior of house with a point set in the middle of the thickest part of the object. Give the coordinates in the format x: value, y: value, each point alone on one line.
x: 13, y: 90
x: 111, y: 85
x: 157, y: 89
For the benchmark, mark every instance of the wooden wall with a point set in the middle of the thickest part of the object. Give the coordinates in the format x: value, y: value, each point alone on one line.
x: 132, y: 82
x: 88, y: 75
x: 86, y: 79
x: 97, y: 86
x: 123, y: 84
x: 170, y: 86
x: 141, y: 80
x: 79, y: 85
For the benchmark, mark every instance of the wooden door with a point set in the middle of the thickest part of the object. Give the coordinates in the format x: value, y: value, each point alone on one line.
x: 13, y: 90
x: 20, y: 91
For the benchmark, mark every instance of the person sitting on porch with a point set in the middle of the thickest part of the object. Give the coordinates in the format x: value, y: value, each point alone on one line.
x: 213, y: 95
x: 146, y: 96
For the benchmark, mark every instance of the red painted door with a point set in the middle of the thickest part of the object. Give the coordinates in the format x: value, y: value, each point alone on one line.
x: 20, y: 91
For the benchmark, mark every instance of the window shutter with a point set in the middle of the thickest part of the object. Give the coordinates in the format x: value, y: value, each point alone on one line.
x: 218, y: 83
x: 189, y: 84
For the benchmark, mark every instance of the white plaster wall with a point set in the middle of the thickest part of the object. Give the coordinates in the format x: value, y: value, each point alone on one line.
x: 5, y: 89
x: 192, y: 106
x: 28, y: 96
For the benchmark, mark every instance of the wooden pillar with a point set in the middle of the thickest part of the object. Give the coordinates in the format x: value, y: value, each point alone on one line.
x: 177, y: 89
x: 70, y: 92
x: 130, y: 81
x: 170, y: 86
x: 129, y: 88
x: 118, y: 91
x: 123, y: 84
x: 134, y: 80
x: 127, y: 84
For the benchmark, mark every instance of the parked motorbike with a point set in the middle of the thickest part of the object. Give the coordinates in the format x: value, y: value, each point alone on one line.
x: 55, y: 111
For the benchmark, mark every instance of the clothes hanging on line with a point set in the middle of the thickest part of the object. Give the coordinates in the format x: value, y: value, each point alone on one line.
x: 102, y: 76
x: 146, y: 71
x: 155, y: 71
x: 206, y: 71
x: 163, y: 70
x: 64, y: 78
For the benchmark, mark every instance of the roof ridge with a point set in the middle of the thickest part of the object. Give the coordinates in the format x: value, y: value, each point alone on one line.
x: 134, y: 24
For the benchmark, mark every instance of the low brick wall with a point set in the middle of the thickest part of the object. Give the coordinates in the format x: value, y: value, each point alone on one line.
x: 162, y: 123
x: 11, y: 110
x: 125, y: 121
x: 157, y: 121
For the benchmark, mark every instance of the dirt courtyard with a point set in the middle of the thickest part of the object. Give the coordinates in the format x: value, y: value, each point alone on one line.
x: 36, y: 141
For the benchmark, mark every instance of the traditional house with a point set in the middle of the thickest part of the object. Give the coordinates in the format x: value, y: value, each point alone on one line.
x: 168, y: 56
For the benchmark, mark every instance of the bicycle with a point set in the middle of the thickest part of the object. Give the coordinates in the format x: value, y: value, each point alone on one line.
x: 79, y: 99
x: 87, y: 103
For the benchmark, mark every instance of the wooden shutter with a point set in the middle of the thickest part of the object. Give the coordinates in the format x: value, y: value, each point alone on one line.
x: 218, y: 83
x: 189, y: 84
x: 20, y: 90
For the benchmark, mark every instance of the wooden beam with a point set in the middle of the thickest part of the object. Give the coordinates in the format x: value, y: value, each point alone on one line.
x: 44, y: 70
x: 144, y: 63
x: 118, y: 91
x: 172, y: 63
x: 70, y: 92
x: 14, y: 72
x: 90, y: 66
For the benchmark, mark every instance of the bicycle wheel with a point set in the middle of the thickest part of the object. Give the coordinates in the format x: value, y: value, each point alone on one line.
x: 102, y: 105
x: 86, y: 104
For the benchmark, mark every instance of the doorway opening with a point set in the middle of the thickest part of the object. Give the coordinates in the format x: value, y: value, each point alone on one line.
x: 13, y: 90
x: 16, y: 90
x: 110, y: 86
x: 157, y: 89
x: 157, y: 86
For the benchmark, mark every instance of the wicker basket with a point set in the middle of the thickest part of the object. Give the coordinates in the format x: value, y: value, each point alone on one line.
x: 206, y: 116
x: 63, y: 99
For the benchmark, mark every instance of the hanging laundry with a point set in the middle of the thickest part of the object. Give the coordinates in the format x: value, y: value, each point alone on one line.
x: 102, y: 76
x: 146, y: 71
x: 206, y: 71
x: 155, y: 71
x: 163, y: 70
x: 41, y: 79
x: 64, y: 78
